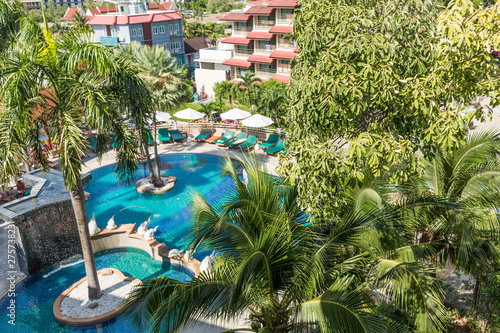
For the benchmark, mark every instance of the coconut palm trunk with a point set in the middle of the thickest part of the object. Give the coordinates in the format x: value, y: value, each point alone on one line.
x: 158, y: 182
x: 152, y: 177
x: 78, y: 202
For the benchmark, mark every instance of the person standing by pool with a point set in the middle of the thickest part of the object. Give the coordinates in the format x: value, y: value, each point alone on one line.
x: 21, y: 188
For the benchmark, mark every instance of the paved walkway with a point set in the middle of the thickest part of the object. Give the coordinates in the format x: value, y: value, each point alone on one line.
x: 271, y: 162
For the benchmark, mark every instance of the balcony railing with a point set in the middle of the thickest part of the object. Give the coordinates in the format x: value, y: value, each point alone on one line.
x: 265, y: 73
x: 243, y: 53
x: 241, y: 31
x: 263, y: 25
x: 268, y: 49
x: 284, y: 70
x: 284, y: 20
x: 286, y: 46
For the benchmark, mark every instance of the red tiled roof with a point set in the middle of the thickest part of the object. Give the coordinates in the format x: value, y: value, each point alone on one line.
x: 260, y: 11
x: 281, y: 78
x: 235, y: 17
x: 260, y: 35
x: 134, y: 19
x: 283, y: 3
x: 237, y: 63
x: 94, y: 11
x: 110, y: 9
x: 263, y: 59
x: 279, y: 54
x: 70, y: 14
x: 236, y: 40
x: 281, y: 29
x: 258, y: 3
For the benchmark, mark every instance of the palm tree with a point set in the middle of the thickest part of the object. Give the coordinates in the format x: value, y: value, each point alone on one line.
x: 10, y: 13
x: 79, y: 22
x: 85, y: 81
x: 273, y: 101
x: 166, y: 83
x: 286, y: 275
x: 455, y: 201
x: 249, y: 79
x: 225, y: 88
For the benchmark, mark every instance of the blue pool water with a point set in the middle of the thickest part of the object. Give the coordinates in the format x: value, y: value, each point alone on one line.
x: 169, y: 211
x: 35, y: 296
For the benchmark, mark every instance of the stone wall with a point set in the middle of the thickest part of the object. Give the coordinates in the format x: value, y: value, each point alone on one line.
x: 47, y: 235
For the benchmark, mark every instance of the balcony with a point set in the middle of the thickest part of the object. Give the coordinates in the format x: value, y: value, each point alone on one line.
x: 109, y: 41
x: 243, y: 53
x: 283, y: 45
x: 282, y: 69
x: 241, y: 31
x: 267, y: 49
x: 285, y: 19
x: 265, y: 73
x: 263, y: 26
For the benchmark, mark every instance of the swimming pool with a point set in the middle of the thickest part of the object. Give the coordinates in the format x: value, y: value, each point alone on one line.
x: 169, y: 211
x: 35, y: 296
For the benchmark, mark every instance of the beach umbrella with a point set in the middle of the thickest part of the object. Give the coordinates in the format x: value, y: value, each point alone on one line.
x: 257, y: 120
x: 235, y: 114
x: 162, y: 116
x: 189, y: 114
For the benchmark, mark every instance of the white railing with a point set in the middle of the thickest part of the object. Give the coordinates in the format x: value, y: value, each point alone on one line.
x: 266, y: 73
x: 196, y: 128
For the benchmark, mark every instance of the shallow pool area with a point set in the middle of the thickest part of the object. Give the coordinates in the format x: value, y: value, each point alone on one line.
x: 36, y: 295
x: 170, y: 211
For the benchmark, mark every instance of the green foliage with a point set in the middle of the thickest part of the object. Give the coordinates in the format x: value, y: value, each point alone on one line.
x: 10, y: 12
x: 388, y: 78
x: 207, y: 30
x: 290, y: 276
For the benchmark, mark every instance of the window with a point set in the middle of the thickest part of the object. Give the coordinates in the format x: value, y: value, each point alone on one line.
x: 114, y: 33
x: 162, y: 29
x: 179, y: 63
x: 139, y: 32
x: 133, y: 32
x: 155, y: 30
x: 175, y: 47
x: 176, y: 27
x: 170, y: 27
x: 122, y: 9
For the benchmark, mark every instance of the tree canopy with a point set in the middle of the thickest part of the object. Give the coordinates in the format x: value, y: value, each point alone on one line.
x: 380, y: 85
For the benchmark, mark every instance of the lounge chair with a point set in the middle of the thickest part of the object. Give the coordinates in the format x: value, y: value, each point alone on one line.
x: 203, y: 136
x: 271, y: 141
x: 275, y: 149
x: 92, y: 143
x: 176, y: 135
x: 212, y: 139
x: 251, y: 141
x: 151, y: 140
x: 228, y: 136
x: 163, y: 135
x: 242, y: 137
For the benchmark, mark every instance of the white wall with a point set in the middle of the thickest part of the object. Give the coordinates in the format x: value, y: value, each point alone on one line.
x: 206, y: 79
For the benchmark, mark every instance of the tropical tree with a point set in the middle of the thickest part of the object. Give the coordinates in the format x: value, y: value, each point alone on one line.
x: 225, y: 88
x: 10, y: 13
x: 73, y: 80
x: 287, y: 276
x: 355, y: 81
x: 454, y: 202
x: 249, y: 79
x: 79, y: 23
x: 273, y: 103
x: 167, y: 85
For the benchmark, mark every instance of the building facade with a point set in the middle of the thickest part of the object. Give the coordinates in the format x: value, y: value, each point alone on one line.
x: 259, y: 42
x: 131, y: 21
x: 260, y: 36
